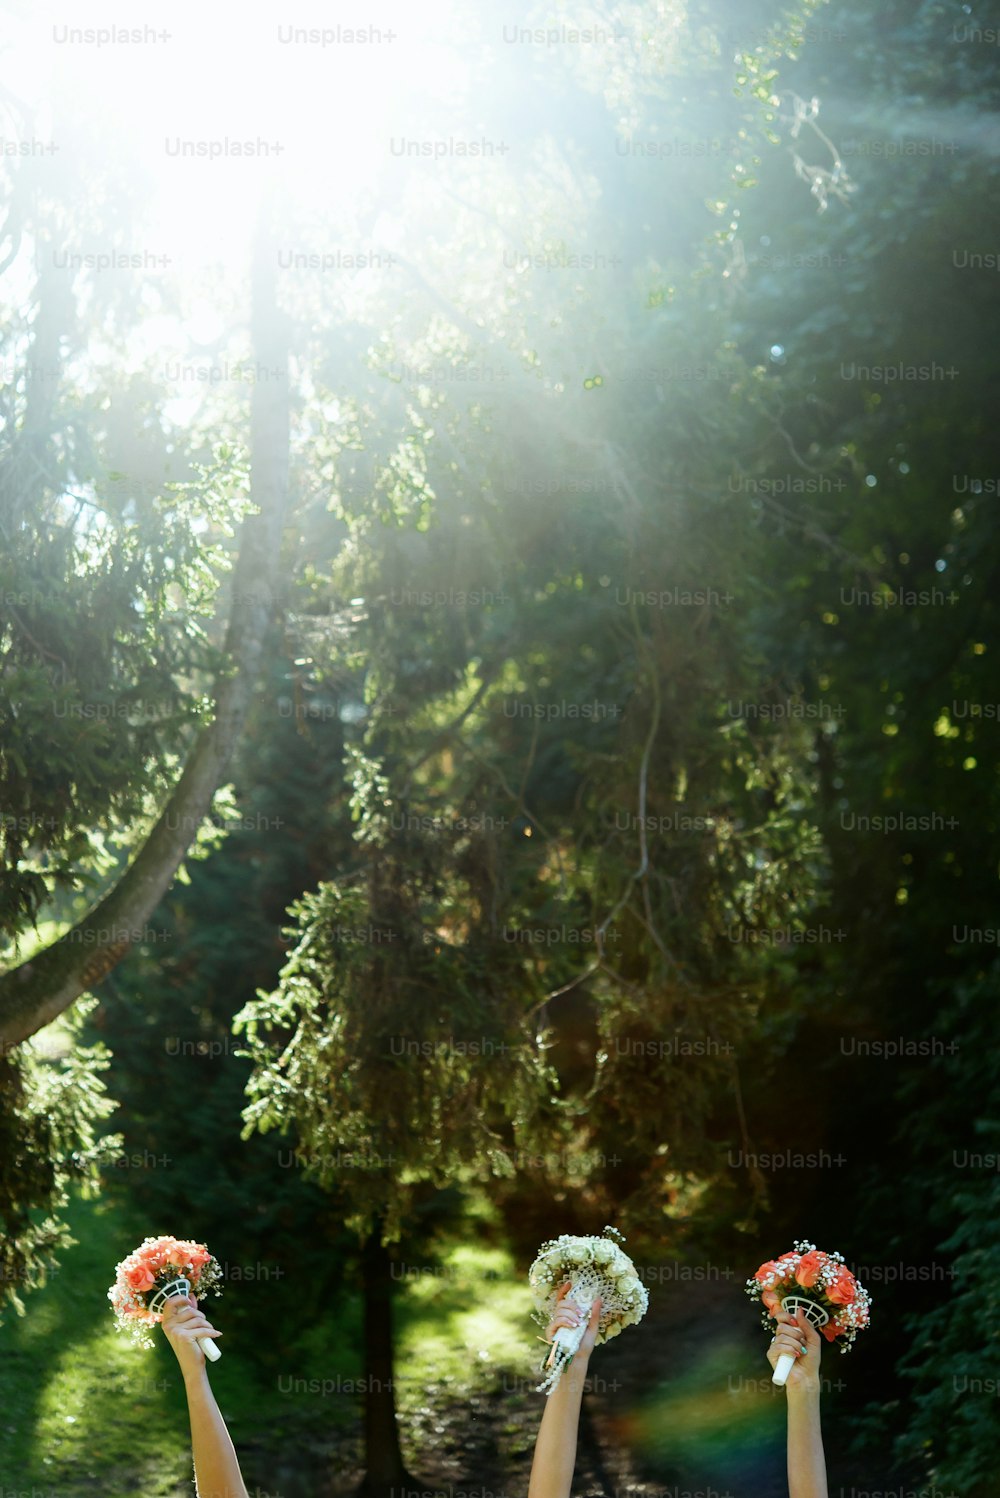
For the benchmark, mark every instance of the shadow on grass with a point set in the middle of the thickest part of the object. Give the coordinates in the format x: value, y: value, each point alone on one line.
x: 85, y: 1411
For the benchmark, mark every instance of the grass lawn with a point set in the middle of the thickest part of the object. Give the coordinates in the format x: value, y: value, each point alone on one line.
x: 85, y: 1411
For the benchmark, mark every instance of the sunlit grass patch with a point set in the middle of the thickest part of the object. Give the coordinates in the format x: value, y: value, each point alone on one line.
x: 85, y: 1402
x: 463, y: 1322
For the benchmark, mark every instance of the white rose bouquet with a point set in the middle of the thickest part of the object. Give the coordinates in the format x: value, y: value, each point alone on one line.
x: 594, y: 1267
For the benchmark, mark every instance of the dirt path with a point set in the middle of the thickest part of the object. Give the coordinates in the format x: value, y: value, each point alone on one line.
x: 681, y: 1408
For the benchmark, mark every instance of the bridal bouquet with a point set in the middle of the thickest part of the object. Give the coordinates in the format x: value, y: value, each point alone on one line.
x: 159, y: 1270
x: 594, y: 1267
x: 818, y: 1284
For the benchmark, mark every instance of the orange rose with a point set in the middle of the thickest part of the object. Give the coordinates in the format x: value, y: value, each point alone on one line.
x: 765, y: 1269
x: 830, y: 1330
x: 843, y: 1289
x: 771, y: 1301
x: 196, y: 1255
x: 139, y: 1278
x: 809, y: 1268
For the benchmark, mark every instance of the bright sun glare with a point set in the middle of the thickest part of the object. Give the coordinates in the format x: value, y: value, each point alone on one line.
x: 317, y: 94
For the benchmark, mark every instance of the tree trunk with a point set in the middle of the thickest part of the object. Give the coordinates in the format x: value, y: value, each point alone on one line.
x: 385, y: 1474
x: 35, y: 992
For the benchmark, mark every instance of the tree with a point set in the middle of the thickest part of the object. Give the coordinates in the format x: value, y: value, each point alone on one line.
x: 37, y: 990
x: 32, y: 994
x: 395, y: 1048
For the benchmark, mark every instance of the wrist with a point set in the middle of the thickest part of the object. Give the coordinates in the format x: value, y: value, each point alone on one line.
x: 576, y: 1371
x: 803, y: 1393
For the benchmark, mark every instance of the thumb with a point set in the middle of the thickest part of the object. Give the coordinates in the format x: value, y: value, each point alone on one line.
x: 593, y: 1322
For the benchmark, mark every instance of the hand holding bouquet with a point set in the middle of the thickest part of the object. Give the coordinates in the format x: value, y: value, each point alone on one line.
x: 593, y: 1267
x: 818, y: 1284
x: 796, y: 1335
x: 188, y: 1330
x: 160, y: 1270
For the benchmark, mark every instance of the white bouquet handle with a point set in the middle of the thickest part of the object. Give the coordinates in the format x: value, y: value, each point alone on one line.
x: 180, y: 1289
x: 814, y: 1314
x: 566, y: 1342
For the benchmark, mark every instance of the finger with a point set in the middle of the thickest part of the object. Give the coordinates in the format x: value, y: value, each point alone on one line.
x: 175, y: 1318
x: 564, y: 1289
x: 191, y: 1324
x: 805, y: 1326
x: 788, y: 1339
x: 810, y: 1332
x: 198, y: 1324
x: 179, y: 1315
x: 593, y: 1323
x: 177, y: 1307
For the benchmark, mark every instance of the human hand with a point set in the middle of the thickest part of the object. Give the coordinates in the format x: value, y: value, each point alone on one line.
x: 567, y: 1313
x: 183, y: 1324
x: 797, y: 1335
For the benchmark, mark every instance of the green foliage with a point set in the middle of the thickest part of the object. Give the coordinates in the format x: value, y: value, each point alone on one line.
x: 53, y: 1103
x: 952, y: 1360
x: 509, y: 524
x: 401, y: 1050
x: 169, y: 1007
x: 106, y: 663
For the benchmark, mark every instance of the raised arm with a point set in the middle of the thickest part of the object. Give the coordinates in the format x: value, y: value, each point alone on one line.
x: 806, y: 1462
x: 216, y: 1469
x: 555, y: 1445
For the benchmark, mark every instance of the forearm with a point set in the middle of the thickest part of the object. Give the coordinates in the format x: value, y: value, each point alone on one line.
x: 555, y: 1448
x: 806, y: 1462
x: 216, y: 1469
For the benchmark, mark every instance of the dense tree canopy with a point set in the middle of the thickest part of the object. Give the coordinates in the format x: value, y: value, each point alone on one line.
x: 568, y: 671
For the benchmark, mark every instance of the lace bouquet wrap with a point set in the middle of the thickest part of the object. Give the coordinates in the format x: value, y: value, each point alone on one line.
x: 594, y: 1267
x: 159, y: 1270
x: 818, y: 1284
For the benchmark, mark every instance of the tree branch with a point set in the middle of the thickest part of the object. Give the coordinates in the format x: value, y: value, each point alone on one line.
x: 37, y: 991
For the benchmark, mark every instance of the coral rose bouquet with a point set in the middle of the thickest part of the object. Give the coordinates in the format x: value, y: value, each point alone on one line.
x: 159, y: 1270
x: 819, y: 1285
x: 594, y: 1267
